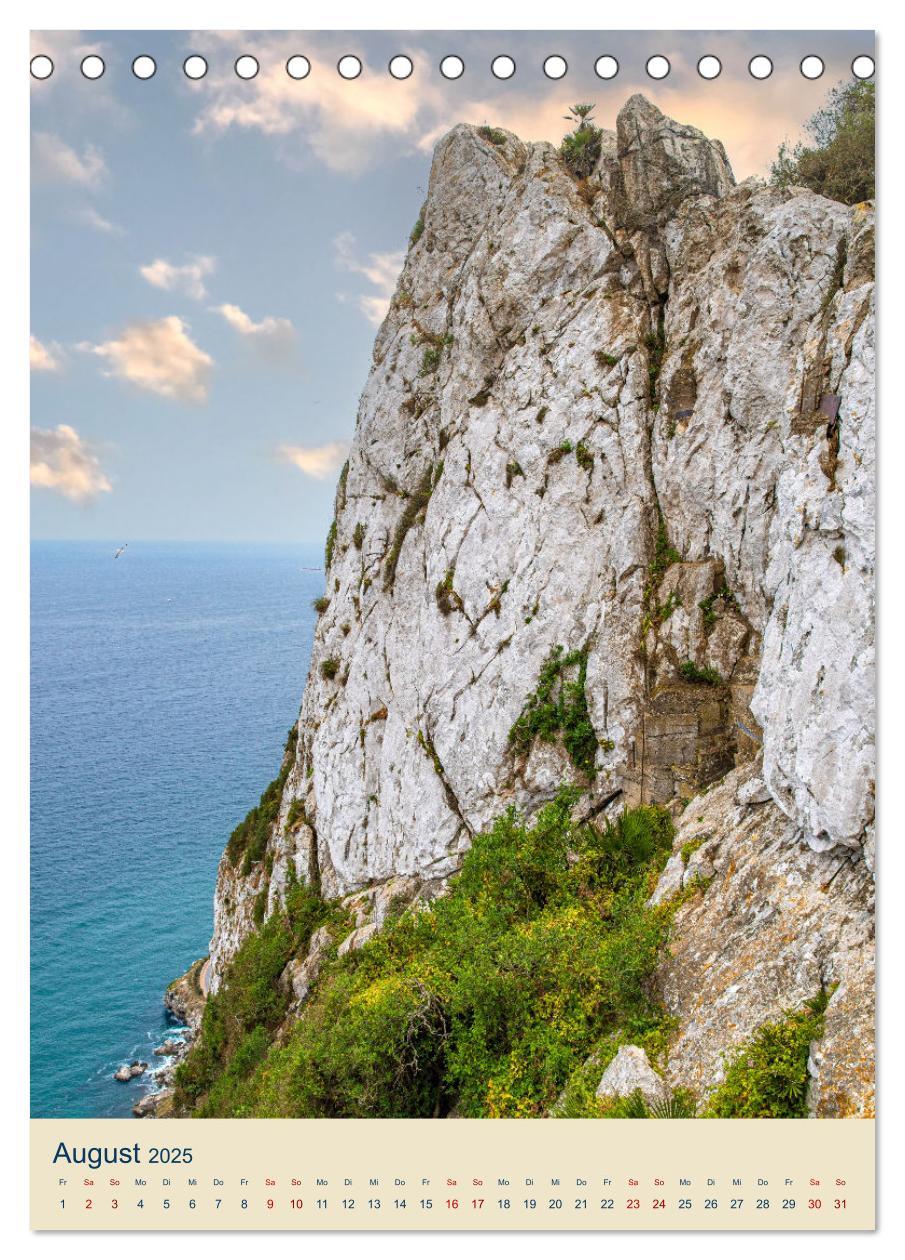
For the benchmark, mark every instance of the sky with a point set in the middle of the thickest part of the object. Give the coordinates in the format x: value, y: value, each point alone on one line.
x: 211, y: 259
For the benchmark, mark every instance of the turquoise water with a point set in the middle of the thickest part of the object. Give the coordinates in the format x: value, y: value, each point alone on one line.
x: 163, y: 685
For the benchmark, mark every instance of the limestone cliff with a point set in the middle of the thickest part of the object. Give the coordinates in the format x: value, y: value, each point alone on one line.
x: 632, y: 417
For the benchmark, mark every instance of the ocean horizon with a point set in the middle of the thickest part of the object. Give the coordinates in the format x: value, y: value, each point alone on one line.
x: 162, y: 687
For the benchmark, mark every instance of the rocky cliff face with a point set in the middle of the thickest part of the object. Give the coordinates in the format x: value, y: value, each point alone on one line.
x: 629, y: 416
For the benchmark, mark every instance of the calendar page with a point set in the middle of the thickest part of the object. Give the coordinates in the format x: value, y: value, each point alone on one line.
x: 453, y: 758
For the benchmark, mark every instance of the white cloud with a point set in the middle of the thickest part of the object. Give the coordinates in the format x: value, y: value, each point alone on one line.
x: 54, y: 160
x: 272, y: 334
x: 91, y: 217
x: 380, y: 270
x: 159, y: 357
x: 188, y: 279
x: 62, y: 461
x: 339, y: 120
x: 315, y: 461
x: 42, y: 358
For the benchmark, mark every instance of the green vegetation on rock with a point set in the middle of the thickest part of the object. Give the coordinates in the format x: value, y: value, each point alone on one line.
x: 484, y: 1004
x: 249, y: 839
x: 768, y: 1077
x: 580, y: 149
x: 840, y: 163
x: 559, y: 708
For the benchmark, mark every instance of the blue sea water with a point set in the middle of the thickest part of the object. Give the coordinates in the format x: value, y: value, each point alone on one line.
x: 163, y: 686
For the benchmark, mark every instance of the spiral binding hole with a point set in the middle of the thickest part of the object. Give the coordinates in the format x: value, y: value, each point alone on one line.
x: 555, y: 67
x: 400, y: 67
x: 760, y: 67
x: 41, y: 67
x: 606, y: 67
x: 144, y: 67
x: 298, y: 67
x: 452, y: 67
x: 194, y: 67
x: 246, y: 67
x: 812, y: 67
x: 349, y: 67
x: 503, y: 67
x: 658, y: 67
x: 863, y: 67
x: 92, y: 66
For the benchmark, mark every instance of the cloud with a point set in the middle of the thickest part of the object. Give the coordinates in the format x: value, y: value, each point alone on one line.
x: 380, y: 270
x: 42, y: 358
x: 62, y: 461
x: 54, y: 160
x: 273, y: 335
x: 159, y: 357
x: 315, y: 461
x: 188, y: 279
x: 339, y: 121
x: 91, y: 217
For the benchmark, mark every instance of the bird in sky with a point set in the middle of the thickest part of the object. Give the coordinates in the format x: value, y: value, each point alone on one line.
x: 119, y: 551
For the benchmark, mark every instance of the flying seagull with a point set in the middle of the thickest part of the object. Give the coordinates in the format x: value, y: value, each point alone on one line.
x: 119, y: 551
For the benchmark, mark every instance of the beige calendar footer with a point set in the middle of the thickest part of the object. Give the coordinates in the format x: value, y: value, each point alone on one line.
x: 452, y: 1174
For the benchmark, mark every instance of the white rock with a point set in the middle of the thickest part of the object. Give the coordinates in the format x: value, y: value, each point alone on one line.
x: 630, y: 1071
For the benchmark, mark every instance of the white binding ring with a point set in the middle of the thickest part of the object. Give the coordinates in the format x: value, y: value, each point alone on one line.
x: 658, y: 67
x: 606, y: 67
x: 144, y: 67
x: 452, y: 67
x: 92, y: 66
x: 246, y: 66
x: 760, y: 67
x: 864, y: 67
x: 194, y: 67
x: 298, y: 67
x: 400, y: 67
x: 349, y: 67
x: 41, y: 67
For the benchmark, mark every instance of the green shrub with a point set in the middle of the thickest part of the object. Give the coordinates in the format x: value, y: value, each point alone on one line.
x: 240, y: 1018
x: 358, y: 535
x: 581, y: 148
x: 708, y: 605
x: 493, y: 134
x: 840, y: 164
x: 768, y: 1077
x: 330, y: 545
x: 559, y: 708
x: 329, y: 668
x: 417, y: 231
x: 584, y: 456
x: 486, y: 1003
x: 605, y: 360
x: 321, y: 604
x: 700, y: 674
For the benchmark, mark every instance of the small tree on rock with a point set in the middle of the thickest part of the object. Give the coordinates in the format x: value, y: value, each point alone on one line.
x: 580, y: 149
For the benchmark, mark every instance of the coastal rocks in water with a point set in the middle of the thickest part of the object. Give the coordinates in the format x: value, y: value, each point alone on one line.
x: 631, y: 1071
x: 128, y: 1071
x: 169, y: 1047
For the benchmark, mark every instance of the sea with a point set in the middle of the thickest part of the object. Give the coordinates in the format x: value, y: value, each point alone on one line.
x: 163, y: 684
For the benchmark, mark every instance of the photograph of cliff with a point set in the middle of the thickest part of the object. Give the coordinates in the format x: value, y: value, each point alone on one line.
x: 582, y: 784
x: 577, y: 816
